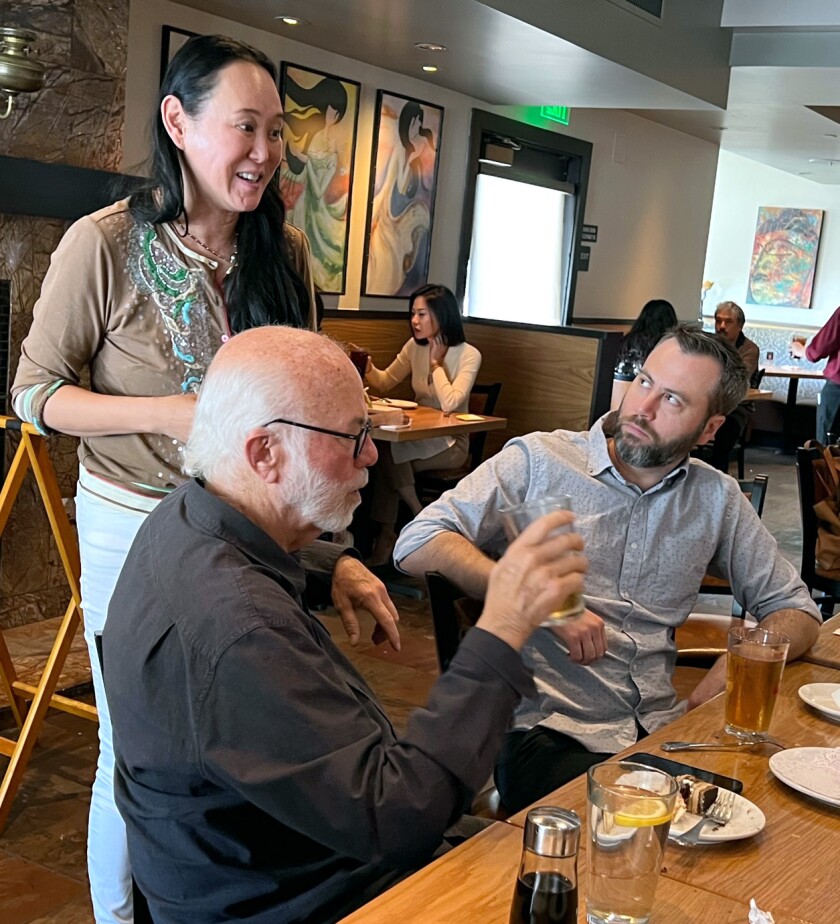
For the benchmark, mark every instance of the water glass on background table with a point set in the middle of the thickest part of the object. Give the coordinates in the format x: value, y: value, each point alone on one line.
x: 755, y: 659
x: 630, y: 808
x: 518, y: 518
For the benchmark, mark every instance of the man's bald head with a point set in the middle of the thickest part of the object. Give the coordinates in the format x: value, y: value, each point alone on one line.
x: 258, y: 375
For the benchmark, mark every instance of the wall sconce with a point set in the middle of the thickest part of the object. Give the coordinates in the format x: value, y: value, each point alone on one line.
x: 19, y: 73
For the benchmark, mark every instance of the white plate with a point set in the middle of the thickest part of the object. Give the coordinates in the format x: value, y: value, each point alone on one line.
x: 812, y: 771
x: 388, y: 403
x: 822, y: 696
x: 747, y: 820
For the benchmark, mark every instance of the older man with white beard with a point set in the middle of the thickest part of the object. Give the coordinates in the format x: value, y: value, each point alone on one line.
x: 654, y: 523
x: 259, y: 778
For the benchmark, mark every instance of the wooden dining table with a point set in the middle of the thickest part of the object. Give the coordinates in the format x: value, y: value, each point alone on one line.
x: 475, y: 883
x: 428, y: 422
x: 788, y: 867
x: 826, y: 650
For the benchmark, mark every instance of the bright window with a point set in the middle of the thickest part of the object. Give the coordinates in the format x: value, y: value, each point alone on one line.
x: 519, y: 255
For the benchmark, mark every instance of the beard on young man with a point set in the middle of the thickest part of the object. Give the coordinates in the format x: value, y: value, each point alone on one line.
x: 654, y: 453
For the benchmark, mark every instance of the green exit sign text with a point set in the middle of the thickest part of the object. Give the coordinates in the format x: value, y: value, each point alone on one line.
x: 556, y: 113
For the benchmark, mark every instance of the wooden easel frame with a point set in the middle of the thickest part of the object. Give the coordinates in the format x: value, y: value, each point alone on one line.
x: 30, y: 703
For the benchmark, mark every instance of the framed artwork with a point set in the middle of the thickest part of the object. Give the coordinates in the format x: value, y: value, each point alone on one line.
x: 406, y: 153
x: 784, y: 257
x: 171, y: 41
x: 321, y: 113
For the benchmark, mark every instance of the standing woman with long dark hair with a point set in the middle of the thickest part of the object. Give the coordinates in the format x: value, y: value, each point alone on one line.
x: 140, y: 295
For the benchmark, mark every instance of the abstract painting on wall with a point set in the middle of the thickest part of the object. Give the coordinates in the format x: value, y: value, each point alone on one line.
x: 321, y: 112
x: 784, y: 257
x: 406, y: 145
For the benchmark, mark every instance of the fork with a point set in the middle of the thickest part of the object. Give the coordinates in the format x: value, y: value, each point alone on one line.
x: 720, y: 812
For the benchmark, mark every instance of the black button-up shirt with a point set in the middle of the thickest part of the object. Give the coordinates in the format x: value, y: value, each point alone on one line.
x: 259, y: 777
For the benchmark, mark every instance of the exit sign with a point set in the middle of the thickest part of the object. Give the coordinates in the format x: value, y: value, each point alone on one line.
x: 556, y: 113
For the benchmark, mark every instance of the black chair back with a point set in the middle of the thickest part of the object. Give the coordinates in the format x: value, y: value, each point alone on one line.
x: 483, y: 399
x: 453, y: 613
x: 809, y: 494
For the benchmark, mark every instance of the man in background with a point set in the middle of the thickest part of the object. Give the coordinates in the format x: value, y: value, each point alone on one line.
x: 729, y: 324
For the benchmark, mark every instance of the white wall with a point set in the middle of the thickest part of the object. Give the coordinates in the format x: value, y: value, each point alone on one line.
x: 651, y: 198
x: 742, y: 186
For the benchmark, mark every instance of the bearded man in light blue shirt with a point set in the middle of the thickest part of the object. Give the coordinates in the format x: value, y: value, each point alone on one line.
x: 654, y: 522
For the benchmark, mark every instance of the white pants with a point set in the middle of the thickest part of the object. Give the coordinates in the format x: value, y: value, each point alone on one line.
x: 105, y: 536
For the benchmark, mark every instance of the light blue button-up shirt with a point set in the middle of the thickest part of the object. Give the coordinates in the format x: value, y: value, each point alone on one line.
x: 648, y: 553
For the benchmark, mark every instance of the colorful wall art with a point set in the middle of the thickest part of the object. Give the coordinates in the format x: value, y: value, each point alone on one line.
x: 784, y: 257
x: 316, y: 177
x: 406, y: 145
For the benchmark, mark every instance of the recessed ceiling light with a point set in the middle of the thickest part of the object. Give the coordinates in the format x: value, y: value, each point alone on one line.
x: 429, y: 68
x: 429, y: 46
x: 292, y: 20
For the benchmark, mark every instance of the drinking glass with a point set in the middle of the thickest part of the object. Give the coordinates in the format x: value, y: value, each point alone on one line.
x: 630, y: 808
x: 516, y: 519
x: 755, y: 659
x: 359, y: 359
x: 798, y: 338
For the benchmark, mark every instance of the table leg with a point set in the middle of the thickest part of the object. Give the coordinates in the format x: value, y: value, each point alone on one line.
x: 790, y: 440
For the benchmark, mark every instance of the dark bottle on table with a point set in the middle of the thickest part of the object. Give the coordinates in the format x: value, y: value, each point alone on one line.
x: 546, y: 888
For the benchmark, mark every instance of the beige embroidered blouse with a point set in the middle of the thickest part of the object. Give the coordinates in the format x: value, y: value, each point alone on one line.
x: 143, y: 312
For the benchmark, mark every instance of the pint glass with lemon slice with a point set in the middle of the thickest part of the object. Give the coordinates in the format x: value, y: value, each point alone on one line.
x: 518, y: 518
x: 630, y: 809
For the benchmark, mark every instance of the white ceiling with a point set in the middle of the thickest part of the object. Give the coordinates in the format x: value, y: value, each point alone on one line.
x: 784, y: 57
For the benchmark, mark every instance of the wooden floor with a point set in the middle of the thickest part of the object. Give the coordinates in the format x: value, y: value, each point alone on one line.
x: 42, y: 851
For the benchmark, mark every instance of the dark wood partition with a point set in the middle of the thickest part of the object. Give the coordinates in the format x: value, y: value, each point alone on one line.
x: 552, y: 377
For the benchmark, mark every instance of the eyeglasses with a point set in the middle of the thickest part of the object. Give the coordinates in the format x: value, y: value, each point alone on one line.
x: 359, y: 438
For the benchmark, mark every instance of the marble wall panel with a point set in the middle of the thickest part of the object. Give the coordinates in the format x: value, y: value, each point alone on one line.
x: 78, y: 117
x: 32, y: 584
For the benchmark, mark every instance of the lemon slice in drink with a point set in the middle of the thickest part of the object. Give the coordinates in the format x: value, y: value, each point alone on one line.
x: 645, y: 813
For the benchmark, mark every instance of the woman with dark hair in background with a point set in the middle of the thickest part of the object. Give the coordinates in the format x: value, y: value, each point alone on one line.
x: 657, y: 317
x: 443, y: 367
x: 140, y: 295
x: 313, y: 161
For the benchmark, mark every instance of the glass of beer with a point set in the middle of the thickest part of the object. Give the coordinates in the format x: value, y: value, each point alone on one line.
x: 630, y: 808
x: 519, y: 517
x: 755, y: 659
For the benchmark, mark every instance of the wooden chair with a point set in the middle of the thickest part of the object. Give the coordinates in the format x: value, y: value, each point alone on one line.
x: 430, y: 485
x: 810, y: 494
x: 30, y: 702
x: 702, y: 638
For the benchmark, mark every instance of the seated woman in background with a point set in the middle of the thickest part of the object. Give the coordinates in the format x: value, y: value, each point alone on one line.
x: 657, y: 317
x: 443, y: 367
